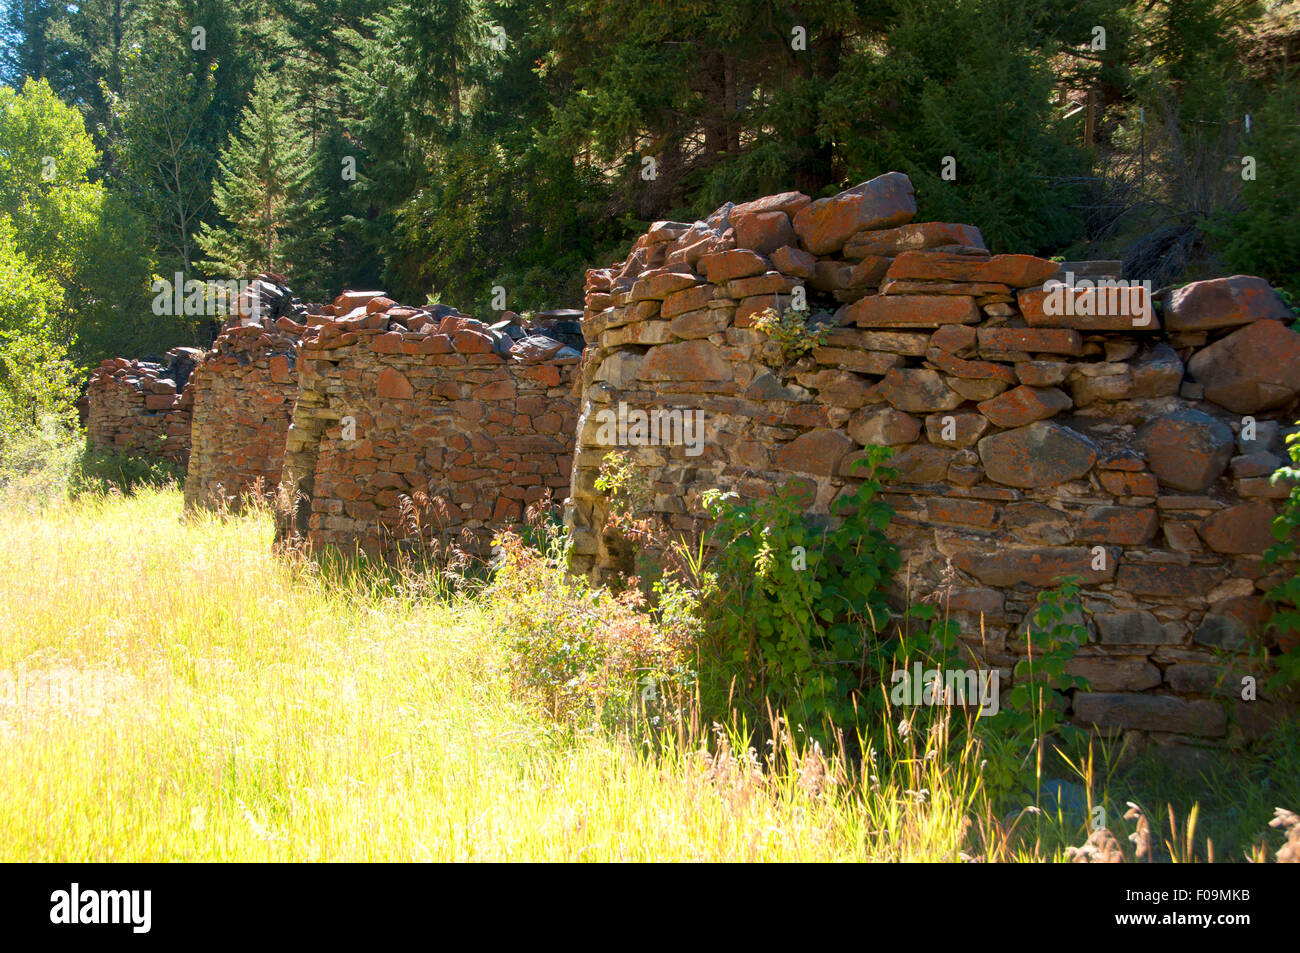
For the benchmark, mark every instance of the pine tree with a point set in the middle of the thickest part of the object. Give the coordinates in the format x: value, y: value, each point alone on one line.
x: 264, y: 192
x: 24, y: 40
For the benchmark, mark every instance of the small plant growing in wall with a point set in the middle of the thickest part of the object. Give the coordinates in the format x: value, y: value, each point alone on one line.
x: 627, y: 488
x: 793, y: 332
x: 1286, y: 594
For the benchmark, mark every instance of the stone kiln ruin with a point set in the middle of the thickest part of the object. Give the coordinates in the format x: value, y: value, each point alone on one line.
x: 1037, y: 433
x: 1036, y: 436
x: 244, y: 393
x: 423, y: 425
x: 143, y: 407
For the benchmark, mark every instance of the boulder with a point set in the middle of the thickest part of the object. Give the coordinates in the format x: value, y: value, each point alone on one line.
x: 764, y: 232
x: 736, y: 263
x: 1041, y: 566
x: 919, y: 235
x: 1017, y: 271
x: 909, y: 311
x: 1151, y: 713
x: 687, y: 361
x: 1134, y: 627
x: 825, y: 225
x: 1255, y: 368
x: 1157, y: 373
x: 961, y: 428
x: 1187, y: 449
x: 884, y: 427
x: 1023, y: 405
x: 1246, y: 528
x: 918, y: 391
x: 1039, y: 455
x: 816, y: 452
x: 1223, y: 303
x: 534, y: 348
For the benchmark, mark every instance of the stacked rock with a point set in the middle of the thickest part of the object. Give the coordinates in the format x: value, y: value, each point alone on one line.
x: 143, y: 408
x: 1040, y: 428
x: 266, y: 300
x: 243, y: 397
x: 415, y: 423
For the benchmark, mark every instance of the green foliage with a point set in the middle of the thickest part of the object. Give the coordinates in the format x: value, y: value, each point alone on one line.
x: 1263, y: 238
x: 799, y: 610
x: 503, y: 143
x: 45, y: 161
x: 1038, y: 698
x: 971, y: 80
x: 588, y: 656
x: 36, y: 380
x: 72, y: 231
x: 1285, y: 595
x: 102, y: 471
x: 625, y: 485
x: 791, y: 331
x: 264, y: 193
x: 162, y: 120
x: 26, y: 50
x: 1034, y: 709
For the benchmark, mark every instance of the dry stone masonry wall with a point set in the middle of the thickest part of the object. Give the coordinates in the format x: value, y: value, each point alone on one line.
x: 1038, y: 432
x: 143, y: 408
x: 244, y: 393
x: 416, y: 426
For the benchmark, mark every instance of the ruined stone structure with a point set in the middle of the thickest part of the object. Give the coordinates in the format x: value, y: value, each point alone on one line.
x: 1037, y: 433
x: 1039, y: 430
x: 244, y: 391
x: 143, y: 408
x: 414, y: 425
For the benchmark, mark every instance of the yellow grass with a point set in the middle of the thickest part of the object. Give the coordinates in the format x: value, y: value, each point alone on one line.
x: 170, y: 690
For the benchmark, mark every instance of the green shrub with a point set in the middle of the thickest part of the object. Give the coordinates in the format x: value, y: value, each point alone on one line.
x: 1263, y: 238
x: 791, y: 331
x: 586, y: 655
x: 1285, y: 595
x: 1033, y: 711
x: 99, y: 471
x: 796, y: 620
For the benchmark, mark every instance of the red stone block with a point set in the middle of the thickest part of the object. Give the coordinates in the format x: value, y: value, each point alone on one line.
x: 393, y: 384
x: 390, y: 343
x: 737, y: 263
x: 909, y: 311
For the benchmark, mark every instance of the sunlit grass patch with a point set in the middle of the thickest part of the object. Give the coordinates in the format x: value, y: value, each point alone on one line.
x: 172, y: 690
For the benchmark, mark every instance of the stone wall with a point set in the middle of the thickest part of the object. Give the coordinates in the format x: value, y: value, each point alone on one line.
x: 1128, y: 447
x: 143, y: 408
x: 244, y: 391
x: 413, y: 424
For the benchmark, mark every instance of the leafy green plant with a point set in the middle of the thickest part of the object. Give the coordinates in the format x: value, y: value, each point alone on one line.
x: 791, y: 331
x: 796, y: 619
x: 624, y: 484
x: 1286, y: 594
x: 584, y: 654
x: 98, y: 471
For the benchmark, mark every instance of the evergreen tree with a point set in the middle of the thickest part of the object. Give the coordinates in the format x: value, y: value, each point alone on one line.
x: 264, y: 192
x: 166, y: 161
x: 90, y: 41
x: 24, y: 40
